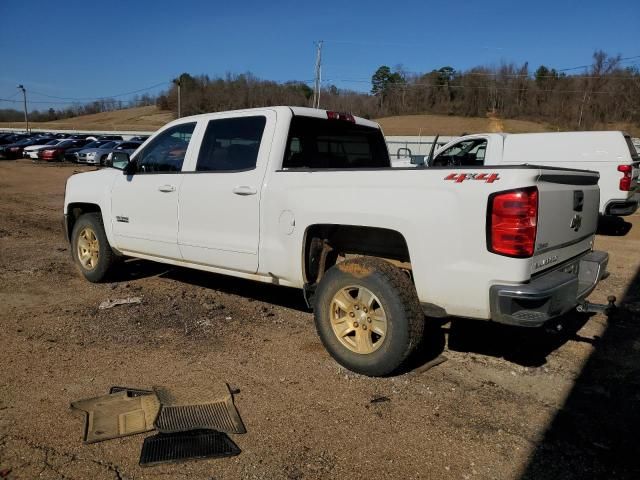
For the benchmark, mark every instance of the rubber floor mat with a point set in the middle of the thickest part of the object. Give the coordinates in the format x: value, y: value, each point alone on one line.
x: 117, y: 415
x: 131, y: 392
x: 174, y: 447
x: 197, y: 408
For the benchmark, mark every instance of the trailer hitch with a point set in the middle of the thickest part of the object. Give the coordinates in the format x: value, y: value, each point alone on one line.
x: 588, y: 307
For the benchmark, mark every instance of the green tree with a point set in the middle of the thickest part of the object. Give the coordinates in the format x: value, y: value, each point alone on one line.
x: 380, y: 80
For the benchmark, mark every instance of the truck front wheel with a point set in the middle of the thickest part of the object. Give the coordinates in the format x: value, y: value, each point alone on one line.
x: 91, y: 250
x: 368, y: 316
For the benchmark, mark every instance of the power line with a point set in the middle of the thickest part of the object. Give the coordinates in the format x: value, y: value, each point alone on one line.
x: 103, y: 96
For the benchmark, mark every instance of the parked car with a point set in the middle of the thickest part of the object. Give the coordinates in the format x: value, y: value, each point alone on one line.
x: 32, y: 150
x: 99, y: 156
x: 15, y: 150
x: 139, y: 138
x: 56, y: 153
x: 71, y: 154
x: 307, y: 198
x: 110, y: 137
x: 96, y: 155
x: 12, y: 138
x: 610, y: 153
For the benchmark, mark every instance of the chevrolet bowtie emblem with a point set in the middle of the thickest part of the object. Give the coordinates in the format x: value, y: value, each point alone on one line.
x: 576, y: 222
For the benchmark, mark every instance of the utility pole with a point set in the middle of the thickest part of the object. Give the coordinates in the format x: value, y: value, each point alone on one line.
x: 178, y: 82
x: 584, y: 99
x: 24, y: 96
x: 318, y: 76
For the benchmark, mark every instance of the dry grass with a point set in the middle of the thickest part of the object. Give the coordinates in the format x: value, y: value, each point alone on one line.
x: 139, y: 118
x: 451, y: 125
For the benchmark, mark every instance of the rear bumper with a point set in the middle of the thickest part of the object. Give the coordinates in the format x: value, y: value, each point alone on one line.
x: 621, y: 207
x: 549, y: 295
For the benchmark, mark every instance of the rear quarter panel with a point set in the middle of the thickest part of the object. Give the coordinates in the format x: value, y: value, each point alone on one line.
x: 442, y: 221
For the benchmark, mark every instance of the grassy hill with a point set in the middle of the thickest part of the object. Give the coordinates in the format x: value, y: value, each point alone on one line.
x: 151, y: 118
x: 139, y: 118
x: 451, y: 125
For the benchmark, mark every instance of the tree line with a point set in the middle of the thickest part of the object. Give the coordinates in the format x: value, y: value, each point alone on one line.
x: 604, y: 92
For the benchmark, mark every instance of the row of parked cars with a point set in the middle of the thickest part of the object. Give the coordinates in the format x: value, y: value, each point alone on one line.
x: 78, y: 148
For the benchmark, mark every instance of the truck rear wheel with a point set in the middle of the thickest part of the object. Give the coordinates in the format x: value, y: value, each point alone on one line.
x: 368, y: 316
x: 91, y: 250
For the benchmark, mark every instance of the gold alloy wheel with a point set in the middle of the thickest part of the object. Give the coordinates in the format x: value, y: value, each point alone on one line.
x: 88, y: 248
x: 358, y: 319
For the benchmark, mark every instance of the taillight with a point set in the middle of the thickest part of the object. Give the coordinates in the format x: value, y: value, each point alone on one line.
x: 512, y: 222
x: 625, y: 181
x: 347, y: 117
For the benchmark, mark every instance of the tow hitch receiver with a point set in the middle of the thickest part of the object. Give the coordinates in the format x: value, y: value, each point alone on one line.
x: 588, y: 307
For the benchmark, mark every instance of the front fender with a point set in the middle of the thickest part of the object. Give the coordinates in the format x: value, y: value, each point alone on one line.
x: 92, y: 188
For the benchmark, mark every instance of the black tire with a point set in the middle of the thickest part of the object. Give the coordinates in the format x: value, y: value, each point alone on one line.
x: 396, y: 295
x: 106, y: 257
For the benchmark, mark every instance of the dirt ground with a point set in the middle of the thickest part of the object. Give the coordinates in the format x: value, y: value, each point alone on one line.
x: 507, y: 404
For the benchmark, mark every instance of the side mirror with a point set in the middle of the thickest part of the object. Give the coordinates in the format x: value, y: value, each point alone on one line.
x: 119, y: 160
x: 130, y: 168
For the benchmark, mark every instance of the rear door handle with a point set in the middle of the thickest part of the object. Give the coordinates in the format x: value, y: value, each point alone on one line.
x: 167, y: 188
x: 245, y: 190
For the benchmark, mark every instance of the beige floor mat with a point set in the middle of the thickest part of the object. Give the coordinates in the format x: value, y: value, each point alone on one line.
x: 186, y: 409
x: 117, y: 415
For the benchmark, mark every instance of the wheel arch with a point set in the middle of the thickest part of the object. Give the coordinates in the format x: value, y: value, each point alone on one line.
x: 324, y: 245
x: 74, y: 211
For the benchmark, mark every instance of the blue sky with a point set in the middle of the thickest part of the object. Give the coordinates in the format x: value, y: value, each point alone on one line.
x: 84, y: 50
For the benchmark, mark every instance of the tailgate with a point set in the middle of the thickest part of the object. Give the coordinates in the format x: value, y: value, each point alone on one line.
x: 568, y: 207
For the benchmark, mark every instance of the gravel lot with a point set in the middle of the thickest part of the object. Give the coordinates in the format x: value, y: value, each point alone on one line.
x: 507, y: 404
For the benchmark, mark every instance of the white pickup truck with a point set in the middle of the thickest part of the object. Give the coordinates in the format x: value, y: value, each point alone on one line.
x: 307, y: 198
x: 610, y: 153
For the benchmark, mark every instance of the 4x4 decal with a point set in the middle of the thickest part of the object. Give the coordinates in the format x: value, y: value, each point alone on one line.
x: 461, y: 177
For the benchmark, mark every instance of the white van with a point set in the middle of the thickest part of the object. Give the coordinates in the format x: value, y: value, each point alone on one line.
x: 612, y: 154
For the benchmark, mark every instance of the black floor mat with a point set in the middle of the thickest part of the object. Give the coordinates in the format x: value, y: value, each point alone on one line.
x: 131, y: 392
x: 174, y: 447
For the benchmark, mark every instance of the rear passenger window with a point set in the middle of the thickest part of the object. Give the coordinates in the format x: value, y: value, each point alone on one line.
x: 231, y: 144
x: 318, y: 143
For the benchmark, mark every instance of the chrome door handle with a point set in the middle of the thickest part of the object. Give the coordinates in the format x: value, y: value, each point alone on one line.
x: 244, y: 190
x: 167, y: 188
